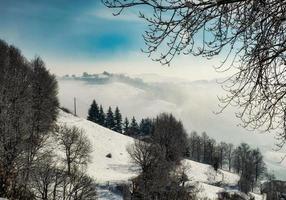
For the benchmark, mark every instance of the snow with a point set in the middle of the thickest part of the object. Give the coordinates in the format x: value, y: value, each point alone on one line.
x: 209, y: 191
x: 104, y: 193
x: 206, y: 174
x: 119, y: 168
x: 258, y: 197
x: 104, y: 141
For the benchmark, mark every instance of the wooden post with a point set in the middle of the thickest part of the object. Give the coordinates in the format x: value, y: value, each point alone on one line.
x: 74, y: 102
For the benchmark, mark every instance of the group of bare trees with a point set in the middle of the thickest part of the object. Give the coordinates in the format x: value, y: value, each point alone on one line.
x: 158, y: 160
x: 250, y: 165
x: 243, y: 160
x: 204, y: 149
x: 61, y: 172
x: 28, y: 110
x: 29, y: 167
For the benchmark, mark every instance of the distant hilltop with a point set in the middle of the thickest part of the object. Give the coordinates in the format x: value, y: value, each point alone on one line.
x: 106, y: 77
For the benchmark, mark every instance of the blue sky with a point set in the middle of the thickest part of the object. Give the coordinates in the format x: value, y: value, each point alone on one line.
x: 73, y: 36
x: 65, y: 27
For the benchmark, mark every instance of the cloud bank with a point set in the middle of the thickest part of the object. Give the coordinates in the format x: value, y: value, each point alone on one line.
x: 194, y: 102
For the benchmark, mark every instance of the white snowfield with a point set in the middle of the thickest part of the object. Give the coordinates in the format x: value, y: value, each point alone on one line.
x: 119, y: 168
x: 104, y: 141
x: 206, y: 174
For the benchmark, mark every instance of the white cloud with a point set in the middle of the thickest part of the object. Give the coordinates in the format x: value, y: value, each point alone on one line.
x: 192, y: 102
x: 108, y: 14
x: 186, y: 67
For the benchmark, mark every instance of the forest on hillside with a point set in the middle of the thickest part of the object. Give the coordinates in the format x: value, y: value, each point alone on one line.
x: 31, y: 167
x: 242, y: 159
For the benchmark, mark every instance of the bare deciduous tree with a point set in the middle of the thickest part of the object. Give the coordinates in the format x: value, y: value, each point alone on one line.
x: 75, y: 146
x: 229, y: 152
x: 145, y: 155
x: 51, y: 181
x: 45, y: 177
x: 43, y: 113
x: 249, y: 34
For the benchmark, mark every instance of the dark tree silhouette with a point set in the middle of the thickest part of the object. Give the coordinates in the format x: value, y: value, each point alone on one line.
x: 101, y: 116
x: 28, y: 110
x: 93, y: 112
x: 118, y: 120
x: 146, y: 127
x: 109, y: 120
x: 170, y: 135
x: 29, y: 167
x: 249, y: 34
x: 126, y: 126
x: 133, y: 128
x: 158, y: 178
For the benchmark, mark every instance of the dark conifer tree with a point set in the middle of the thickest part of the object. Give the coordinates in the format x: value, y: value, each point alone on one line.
x: 142, y: 126
x: 93, y: 112
x: 126, y: 126
x: 118, y: 120
x: 109, y: 121
x: 101, y: 116
x: 134, y: 128
x: 146, y: 127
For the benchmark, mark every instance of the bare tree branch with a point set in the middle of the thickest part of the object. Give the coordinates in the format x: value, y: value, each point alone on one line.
x: 250, y: 34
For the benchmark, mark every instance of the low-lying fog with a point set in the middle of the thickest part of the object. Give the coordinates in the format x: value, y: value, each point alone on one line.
x: 195, y: 103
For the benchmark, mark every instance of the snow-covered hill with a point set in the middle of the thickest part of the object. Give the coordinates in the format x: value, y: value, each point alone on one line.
x: 104, y: 141
x: 119, y: 168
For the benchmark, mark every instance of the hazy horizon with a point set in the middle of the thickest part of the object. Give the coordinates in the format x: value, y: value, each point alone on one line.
x: 193, y: 102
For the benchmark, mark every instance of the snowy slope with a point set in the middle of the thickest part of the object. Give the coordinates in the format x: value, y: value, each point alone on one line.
x: 206, y: 174
x: 104, y: 141
x: 119, y: 168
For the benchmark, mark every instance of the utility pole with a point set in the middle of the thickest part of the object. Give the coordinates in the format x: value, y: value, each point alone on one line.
x: 74, y: 103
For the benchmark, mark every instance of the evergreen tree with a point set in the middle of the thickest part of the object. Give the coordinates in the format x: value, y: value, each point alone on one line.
x: 126, y: 126
x: 134, y: 128
x: 93, y: 112
x: 146, y: 127
x: 118, y: 120
x: 101, y: 116
x: 109, y: 122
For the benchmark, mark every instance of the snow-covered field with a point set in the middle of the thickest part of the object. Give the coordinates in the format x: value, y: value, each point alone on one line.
x: 119, y: 169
